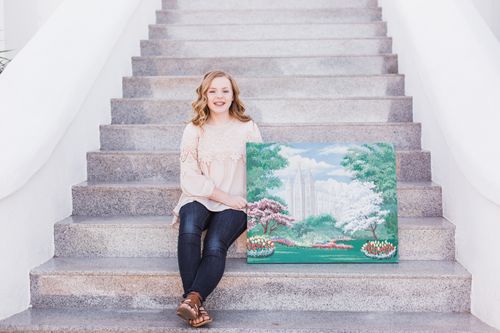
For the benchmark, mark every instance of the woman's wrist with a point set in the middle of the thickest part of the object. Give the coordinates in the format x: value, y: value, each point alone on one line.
x: 219, y: 196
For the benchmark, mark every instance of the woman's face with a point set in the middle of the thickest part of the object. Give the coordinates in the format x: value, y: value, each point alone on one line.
x: 220, y: 95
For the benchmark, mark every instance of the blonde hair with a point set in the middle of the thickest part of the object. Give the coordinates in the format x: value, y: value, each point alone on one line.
x: 200, y: 105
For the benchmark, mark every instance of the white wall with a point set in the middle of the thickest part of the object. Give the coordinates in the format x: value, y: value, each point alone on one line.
x: 490, y: 11
x: 2, y: 26
x: 451, y: 64
x: 27, y: 216
x: 23, y: 18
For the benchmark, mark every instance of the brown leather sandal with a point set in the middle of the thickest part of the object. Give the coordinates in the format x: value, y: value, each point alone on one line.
x: 190, y: 307
x: 203, y: 314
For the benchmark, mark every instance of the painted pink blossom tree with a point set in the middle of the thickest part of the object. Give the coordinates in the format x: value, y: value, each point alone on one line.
x: 267, y: 213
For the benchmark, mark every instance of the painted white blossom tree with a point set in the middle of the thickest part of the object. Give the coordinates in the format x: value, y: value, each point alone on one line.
x: 358, y: 208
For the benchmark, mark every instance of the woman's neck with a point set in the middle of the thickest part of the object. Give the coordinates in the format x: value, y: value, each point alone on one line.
x: 219, y: 118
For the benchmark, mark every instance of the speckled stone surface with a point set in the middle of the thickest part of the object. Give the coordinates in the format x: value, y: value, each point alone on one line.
x: 181, y: 87
x: 267, y: 31
x: 419, y: 199
x: 268, y: 66
x: 160, y: 111
x: 404, y: 136
x: 107, y: 199
x: 133, y: 166
x: 146, y: 321
x: 120, y: 166
x: 159, y: 198
x: 274, y: 48
x: 410, y: 286
x: 277, y: 16
x: 264, y: 4
x: 153, y: 236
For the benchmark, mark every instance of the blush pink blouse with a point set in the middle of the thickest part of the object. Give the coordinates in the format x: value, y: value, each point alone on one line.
x: 214, y: 156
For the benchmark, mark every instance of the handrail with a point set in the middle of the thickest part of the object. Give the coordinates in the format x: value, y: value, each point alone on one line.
x: 457, y: 57
x: 45, y: 85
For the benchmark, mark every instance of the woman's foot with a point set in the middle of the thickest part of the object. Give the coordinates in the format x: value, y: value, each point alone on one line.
x: 189, y: 309
x: 202, y: 319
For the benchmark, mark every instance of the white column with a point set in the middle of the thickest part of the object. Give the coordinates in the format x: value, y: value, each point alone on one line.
x: 23, y: 18
x: 490, y: 11
x: 2, y: 26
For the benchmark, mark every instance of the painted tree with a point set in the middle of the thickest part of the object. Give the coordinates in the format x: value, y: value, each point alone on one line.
x: 360, y: 209
x: 375, y: 163
x: 267, y: 213
x: 262, y: 160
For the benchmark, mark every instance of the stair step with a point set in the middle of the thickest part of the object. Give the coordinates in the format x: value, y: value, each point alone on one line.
x: 153, y: 236
x: 234, y: 321
x: 268, y: 66
x: 404, y: 136
x: 160, y: 111
x: 277, y: 16
x: 267, y: 48
x: 265, y: 4
x: 183, y: 87
x: 120, y: 166
x: 212, y: 32
x: 159, y: 198
x: 410, y: 286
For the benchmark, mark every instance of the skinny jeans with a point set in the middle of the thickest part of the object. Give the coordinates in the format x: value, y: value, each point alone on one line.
x: 202, y: 272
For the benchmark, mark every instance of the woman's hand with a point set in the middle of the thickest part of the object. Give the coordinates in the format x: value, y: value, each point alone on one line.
x: 233, y: 201
x: 236, y: 202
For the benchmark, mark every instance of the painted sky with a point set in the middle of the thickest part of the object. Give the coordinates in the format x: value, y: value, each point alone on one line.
x: 323, y: 160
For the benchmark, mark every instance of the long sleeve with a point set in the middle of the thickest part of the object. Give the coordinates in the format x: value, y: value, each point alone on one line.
x: 254, y: 134
x: 193, y: 181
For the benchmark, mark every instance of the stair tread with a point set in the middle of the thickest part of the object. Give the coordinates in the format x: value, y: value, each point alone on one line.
x: 282, y: 77
x: 165, y: 220
x: 173, y: 184
x: 234, y: 321
x: 380, y: 22
x: 238, y: 267
x: 187, y: 100
x: 176, y: 152
x: 295, y: 124
x: 155, y: 57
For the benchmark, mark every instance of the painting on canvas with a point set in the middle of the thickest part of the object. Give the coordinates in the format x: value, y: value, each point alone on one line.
x: 321, y: 203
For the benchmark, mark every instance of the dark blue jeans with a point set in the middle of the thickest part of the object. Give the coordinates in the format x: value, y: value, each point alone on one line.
x: 202, y: 273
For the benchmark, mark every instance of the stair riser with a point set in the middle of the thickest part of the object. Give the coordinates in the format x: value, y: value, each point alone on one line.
x: 257, y: 292
x: 349, y: 65
x: 265, y: 4
x: 127, y: 111
x: 281, y: 87
x: 77, y: 240
x: 266, y: 31
x: 118, y: 167
x: 156, y: 200
x: 277, y: 16
x: 269, y: 48
x: 404, y: 136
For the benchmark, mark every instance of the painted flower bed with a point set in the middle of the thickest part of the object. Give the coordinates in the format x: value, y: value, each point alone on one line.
x: 378, y: 249
x: 259, y: 246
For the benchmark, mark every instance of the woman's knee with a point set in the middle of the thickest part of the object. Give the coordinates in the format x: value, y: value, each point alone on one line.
x: 192, y: 218
x: 215, y: 247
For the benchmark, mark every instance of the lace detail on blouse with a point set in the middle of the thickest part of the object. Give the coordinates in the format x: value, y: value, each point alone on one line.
x: 200, y: 148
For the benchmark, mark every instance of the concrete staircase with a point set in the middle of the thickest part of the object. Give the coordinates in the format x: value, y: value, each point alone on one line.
x: 316, y: 70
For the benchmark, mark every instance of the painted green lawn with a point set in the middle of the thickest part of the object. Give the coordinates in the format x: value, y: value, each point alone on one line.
x: 284, y: 254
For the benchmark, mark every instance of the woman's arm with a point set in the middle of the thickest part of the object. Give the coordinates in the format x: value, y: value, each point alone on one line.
x: 193, y: 181
x: 233, y: 201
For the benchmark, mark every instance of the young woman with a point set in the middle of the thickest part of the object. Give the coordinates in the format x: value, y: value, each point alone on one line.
x: 213, y: 182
